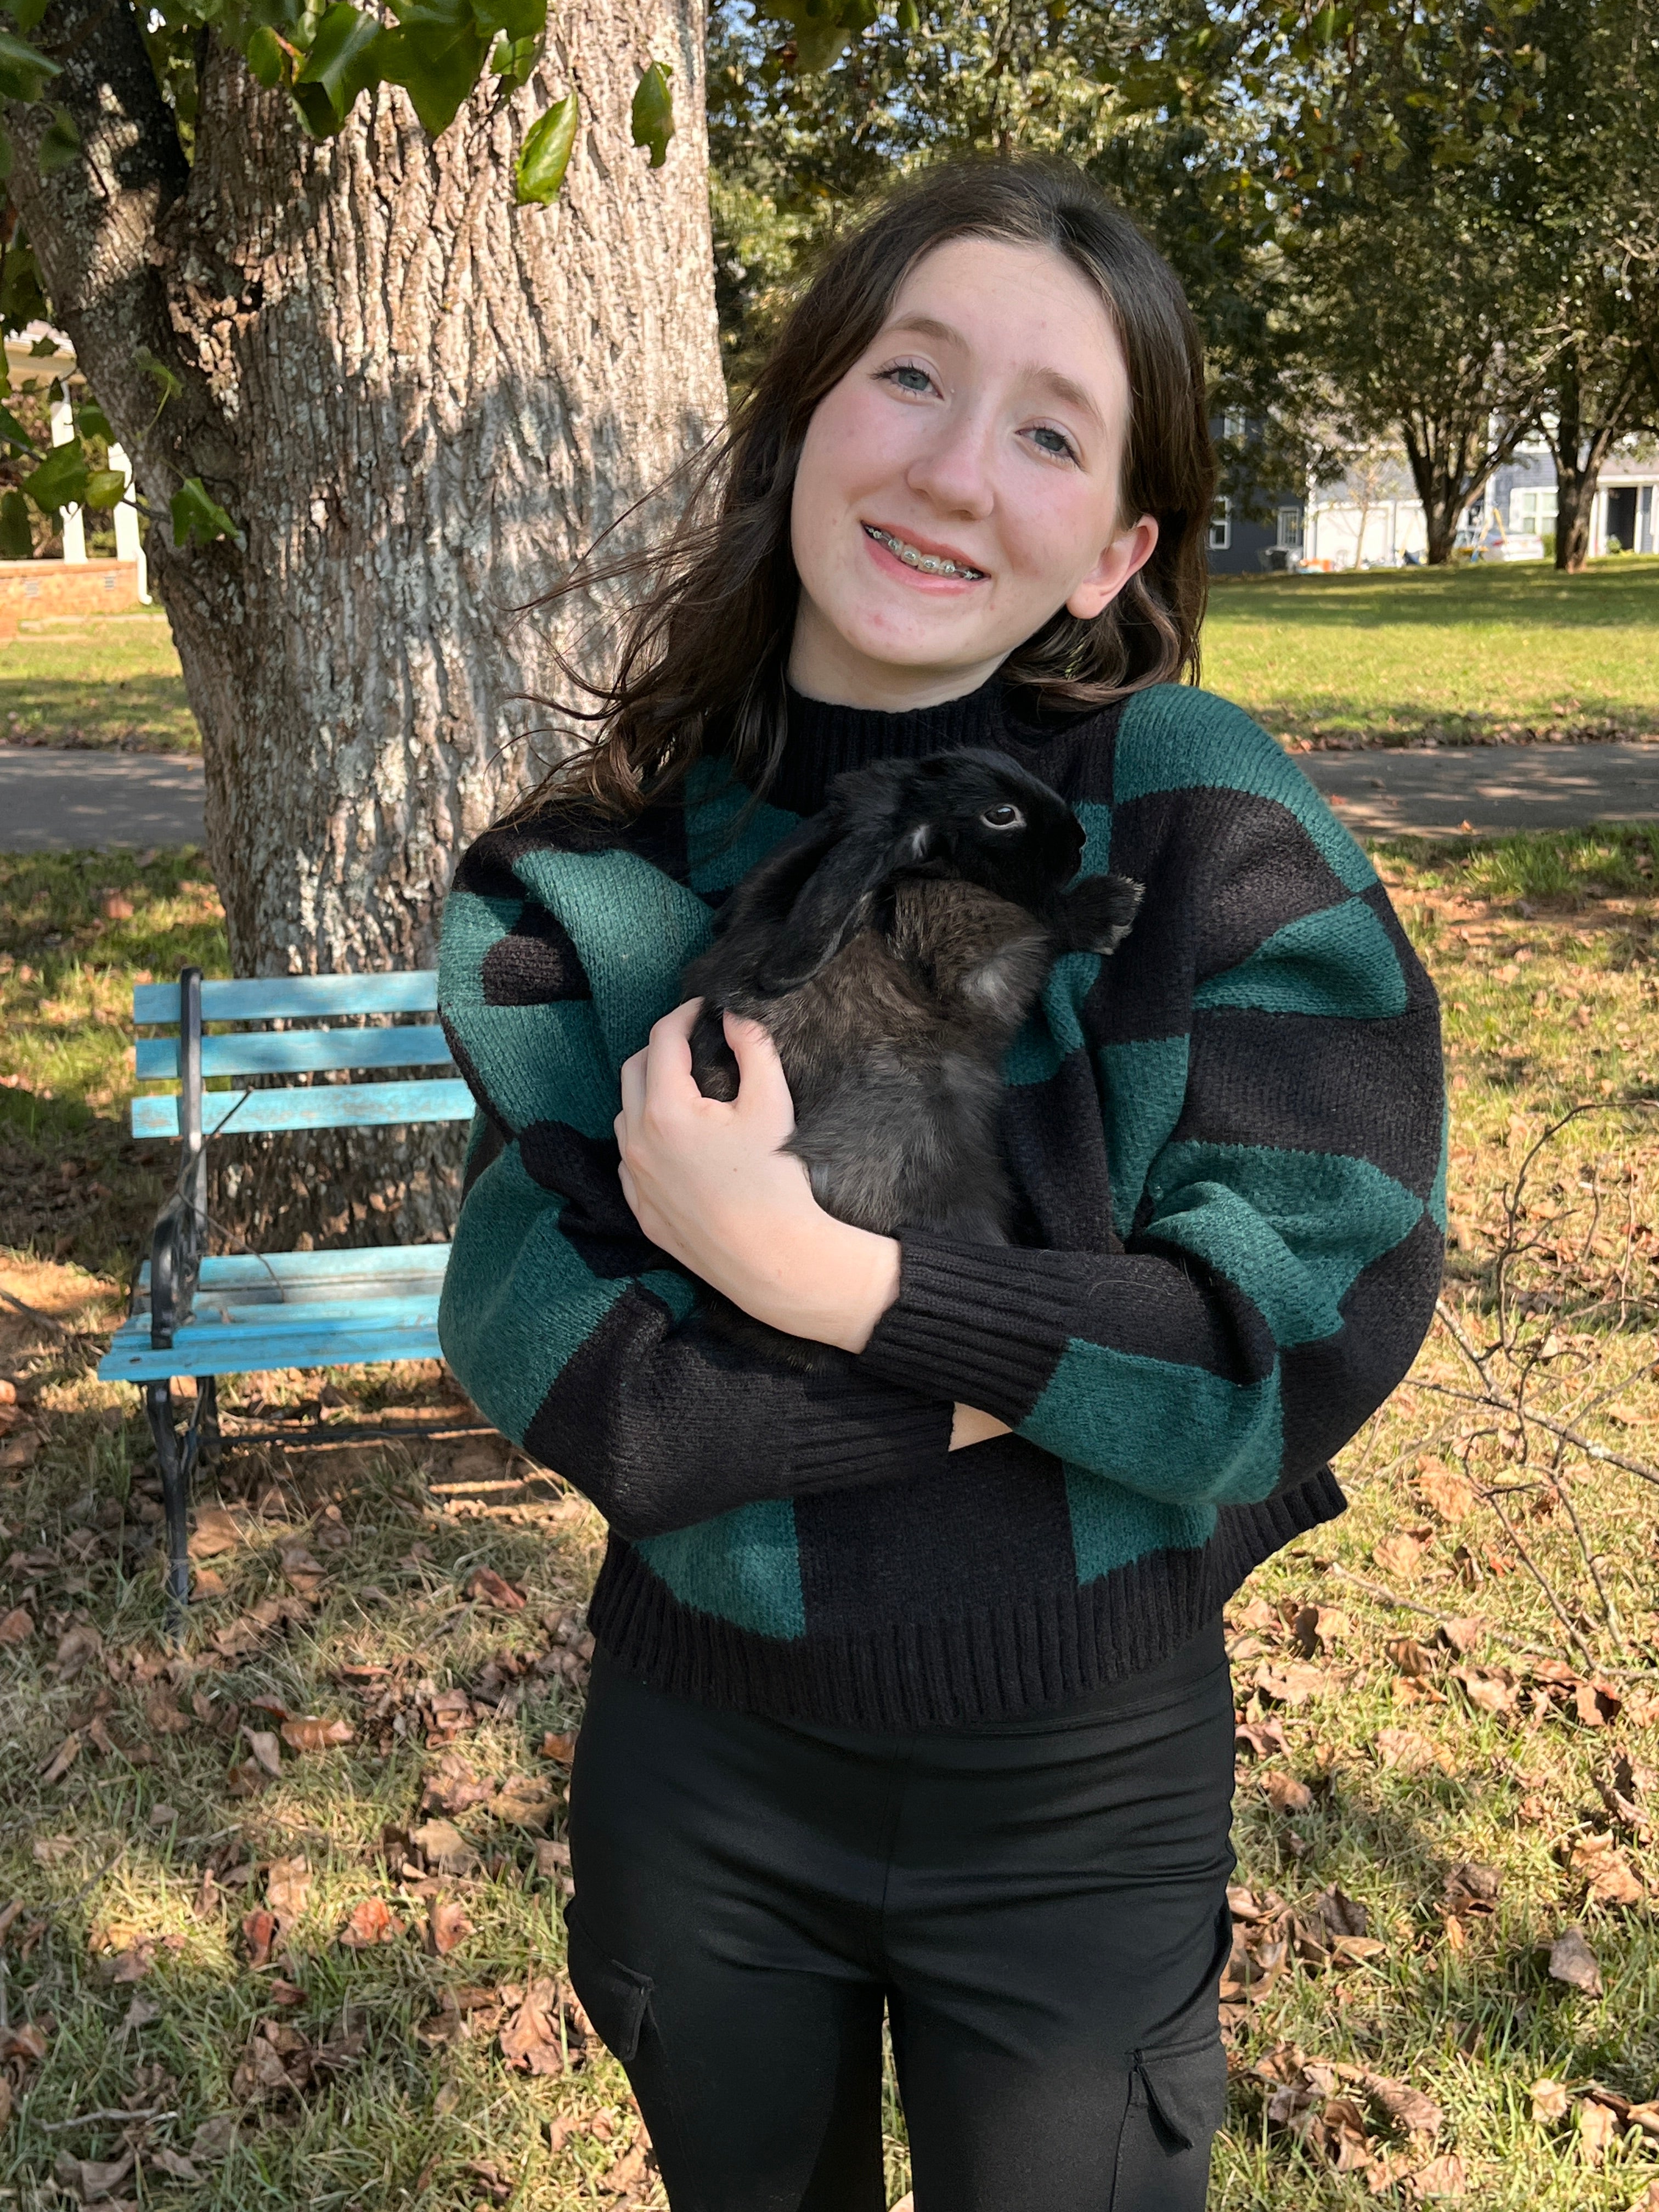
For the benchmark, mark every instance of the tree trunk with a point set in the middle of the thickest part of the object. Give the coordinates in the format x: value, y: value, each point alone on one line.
x: 419, y: 402
x: 1575, y: 503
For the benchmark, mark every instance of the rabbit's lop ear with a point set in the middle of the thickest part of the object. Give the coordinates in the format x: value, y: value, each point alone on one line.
x: 837, y: 900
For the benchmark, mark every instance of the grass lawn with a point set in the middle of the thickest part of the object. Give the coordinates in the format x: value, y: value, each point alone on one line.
x: 1390, y: 657
x: 1448, y: 1698
x: 96, y: 680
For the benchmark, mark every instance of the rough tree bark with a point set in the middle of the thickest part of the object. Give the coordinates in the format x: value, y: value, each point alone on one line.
x: 419, y: 402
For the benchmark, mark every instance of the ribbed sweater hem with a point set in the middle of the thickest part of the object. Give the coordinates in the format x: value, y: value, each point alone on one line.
x: 1038, y: 1649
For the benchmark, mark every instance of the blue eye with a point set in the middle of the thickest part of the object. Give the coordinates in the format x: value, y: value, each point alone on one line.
x: 1061, y: 448
x: 908, y: 368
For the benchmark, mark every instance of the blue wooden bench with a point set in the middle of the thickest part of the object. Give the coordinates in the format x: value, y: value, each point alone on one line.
x: 198, y: 1314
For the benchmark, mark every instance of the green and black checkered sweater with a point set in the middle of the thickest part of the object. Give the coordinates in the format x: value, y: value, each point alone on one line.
x: 1228, y: 1147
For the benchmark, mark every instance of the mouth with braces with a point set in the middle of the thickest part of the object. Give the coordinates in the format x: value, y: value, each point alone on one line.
x: 926, y: 564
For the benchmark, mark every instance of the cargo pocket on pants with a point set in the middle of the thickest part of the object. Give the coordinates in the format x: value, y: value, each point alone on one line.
x: 614, y: 1998
x: 1178, y: 2096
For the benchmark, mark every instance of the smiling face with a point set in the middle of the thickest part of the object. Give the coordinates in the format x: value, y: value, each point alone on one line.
x: 959, y: 486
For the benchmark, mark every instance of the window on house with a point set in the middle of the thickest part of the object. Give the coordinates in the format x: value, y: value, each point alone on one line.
x: 1533, y: 510
x: 1232, y: 426
x: 1221, y: 526
x: 1290, y: 529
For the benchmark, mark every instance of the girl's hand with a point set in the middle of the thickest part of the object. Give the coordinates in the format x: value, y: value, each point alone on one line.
x: 708, y: 1183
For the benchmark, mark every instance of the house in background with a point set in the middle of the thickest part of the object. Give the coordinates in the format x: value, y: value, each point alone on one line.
x: 1372, y: 517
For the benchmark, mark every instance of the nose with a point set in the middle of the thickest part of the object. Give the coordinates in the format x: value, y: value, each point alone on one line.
x: 952, y: 471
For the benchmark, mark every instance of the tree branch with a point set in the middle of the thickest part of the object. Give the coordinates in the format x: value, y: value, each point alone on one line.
x: 94, y: 223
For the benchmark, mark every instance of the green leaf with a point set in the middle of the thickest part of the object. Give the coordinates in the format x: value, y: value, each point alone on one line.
x: 546, y: 154
x: 106, y: 487
x: 23, y: 72
x: 344, y: 60
x: 166, y: 382
x: 436, y: 56
x: 26, y: 14
x: 910, y: 16
x: 91, y: 421
x: 653, y: 115
x: 15, y: 434
x: 514, y: 60
x: 264, y: 56
x: 513, y: 19
x: 60, y: 143
x: 197, y: 518
x: 61, y: 479
x: 16, y: 536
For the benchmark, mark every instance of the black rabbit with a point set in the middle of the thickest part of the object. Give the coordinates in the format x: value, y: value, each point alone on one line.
x: 892, y: 945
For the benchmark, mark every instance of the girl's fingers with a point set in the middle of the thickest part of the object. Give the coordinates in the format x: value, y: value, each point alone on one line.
x: 762, y: 1085
x: 668, y: 1077
x: 633, y: 1091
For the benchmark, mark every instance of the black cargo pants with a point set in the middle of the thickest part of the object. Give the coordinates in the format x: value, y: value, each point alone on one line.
x: 1039, y: 1905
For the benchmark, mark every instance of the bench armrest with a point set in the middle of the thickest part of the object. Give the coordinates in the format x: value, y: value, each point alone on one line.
x: 176, y: 1244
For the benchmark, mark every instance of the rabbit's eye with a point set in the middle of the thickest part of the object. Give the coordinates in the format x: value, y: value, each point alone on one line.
x: 1005, y: 816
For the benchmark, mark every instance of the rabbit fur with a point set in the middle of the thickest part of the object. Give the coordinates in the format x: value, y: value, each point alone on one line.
x: 892, y: 945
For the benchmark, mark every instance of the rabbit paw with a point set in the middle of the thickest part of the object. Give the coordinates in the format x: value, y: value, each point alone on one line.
x: 1095, y: 913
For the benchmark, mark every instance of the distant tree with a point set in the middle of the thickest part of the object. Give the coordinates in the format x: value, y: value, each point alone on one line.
x: 1584, y: 173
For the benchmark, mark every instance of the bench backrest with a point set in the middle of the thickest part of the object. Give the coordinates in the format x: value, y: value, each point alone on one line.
x: 296, y: 1051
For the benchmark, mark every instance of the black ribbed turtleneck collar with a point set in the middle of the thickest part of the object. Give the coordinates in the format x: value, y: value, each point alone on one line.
x: 823, y: 740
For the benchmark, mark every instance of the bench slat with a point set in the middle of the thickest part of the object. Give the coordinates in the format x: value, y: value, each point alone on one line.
x: 221, y: 1348
x: 288, y: 998
x: 386, y: 1263
x: 243, y: 1303
x: 321, y: 1106
x: 250, y: 1315
x: 291, y: 1052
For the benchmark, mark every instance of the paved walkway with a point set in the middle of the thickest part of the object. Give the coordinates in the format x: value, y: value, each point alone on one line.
x: 55, y: 802
x: 1487, y: 788
x: 51, y: 802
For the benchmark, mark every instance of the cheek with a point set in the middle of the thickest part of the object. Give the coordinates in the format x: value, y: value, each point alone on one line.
x: 1053, y: 531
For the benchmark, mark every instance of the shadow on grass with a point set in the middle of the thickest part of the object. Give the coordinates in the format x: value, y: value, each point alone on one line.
x: 147, y: 711
x: 1610, y: 595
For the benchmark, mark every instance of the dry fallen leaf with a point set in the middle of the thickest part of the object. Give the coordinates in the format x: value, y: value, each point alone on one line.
x: 1409, y: 1750
x: 1551, y: 2100
x: 1406, y: 2107
x: 1448, y: 1493
x: 524, y: 1801
x: 1464, y: 1635
x: 531, y: 2038
x: 1571, y: 1961
x: 1441, y: 2176
x: 1284, y: 1792
x: 263, y: 1743
x: 259, y: 1932
x: 213, y: 2138
x: 447, y: 1924
x: 90, y: 2179
x: 1597, y: 2127
x: 442, y: 1843
x: 216, y: 1531
x: 1399, y: 1556
x: 16, y: 1626
x: 560, y: 1748
x: 288, y: 1885
x: 1603, y: 1866
x: 455, y: 1787
x: 483, y: 1582
x: 162, y: 1713
x: 1293, y: 1684
x: 309, y: 1734
x: 305, y: 1574
x: 62, y: 1759
x: 172, y: 2163
x: 370, y: 1923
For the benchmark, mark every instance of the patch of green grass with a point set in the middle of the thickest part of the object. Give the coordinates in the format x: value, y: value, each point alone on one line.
x: 69, y: 1176
x: 1392, y: 657
x: 100, y: 680
x: 1546, y: 951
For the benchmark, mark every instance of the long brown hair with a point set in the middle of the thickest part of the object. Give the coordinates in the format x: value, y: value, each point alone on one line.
x: 704, y: 648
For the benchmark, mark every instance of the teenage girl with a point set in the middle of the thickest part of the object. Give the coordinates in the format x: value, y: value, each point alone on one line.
x: 910, y: 1694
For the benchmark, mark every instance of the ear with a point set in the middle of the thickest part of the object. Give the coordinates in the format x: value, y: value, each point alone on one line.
x: 1130, y: 550
x: 836, y: 901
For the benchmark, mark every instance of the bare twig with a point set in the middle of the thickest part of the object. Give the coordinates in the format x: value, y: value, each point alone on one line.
x: 104, y: 2112
x: 1542, y: 1579
x: 1501, y: 1403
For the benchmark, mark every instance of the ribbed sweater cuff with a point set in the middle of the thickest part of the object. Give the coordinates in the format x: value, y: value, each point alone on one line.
x: 855, y: 1427
x: 980, y: 1324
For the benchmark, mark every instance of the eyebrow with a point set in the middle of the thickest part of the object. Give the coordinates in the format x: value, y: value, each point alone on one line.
x: 1052, y: 380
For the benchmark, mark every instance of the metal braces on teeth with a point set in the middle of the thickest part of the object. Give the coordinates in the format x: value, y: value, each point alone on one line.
x: 930, y: 564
